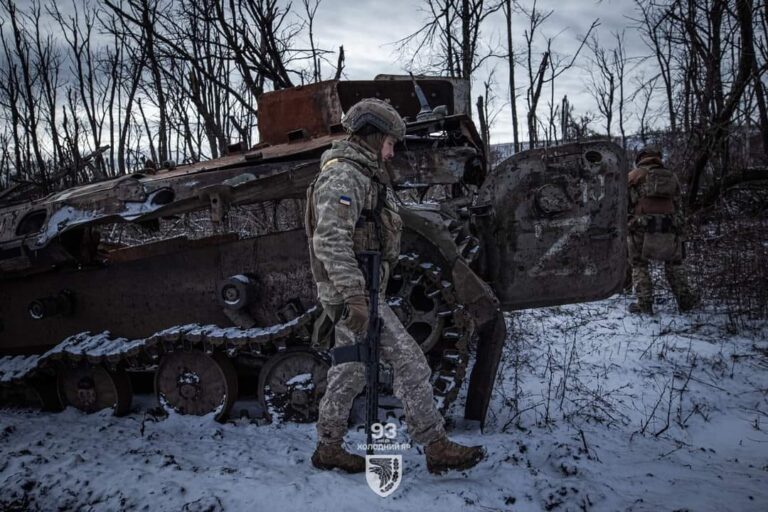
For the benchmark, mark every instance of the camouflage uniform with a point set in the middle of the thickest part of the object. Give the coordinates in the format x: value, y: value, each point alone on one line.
x: 648, y: 215
x: 347, y: 194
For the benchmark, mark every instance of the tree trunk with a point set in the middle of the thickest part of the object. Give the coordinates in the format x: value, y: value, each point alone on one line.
x: 719, y: 126
x: 512, y: 85
x: 483, y: 125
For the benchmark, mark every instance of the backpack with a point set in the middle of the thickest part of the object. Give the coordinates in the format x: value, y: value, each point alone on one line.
x: 660, y: 183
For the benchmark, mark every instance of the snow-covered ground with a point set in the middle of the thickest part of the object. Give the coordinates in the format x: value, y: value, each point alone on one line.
x: 614, y: 412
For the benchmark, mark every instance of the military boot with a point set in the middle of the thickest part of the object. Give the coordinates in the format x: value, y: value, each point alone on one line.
x: 637, y: 308
x: 443, y: 455
x: 329, y: 456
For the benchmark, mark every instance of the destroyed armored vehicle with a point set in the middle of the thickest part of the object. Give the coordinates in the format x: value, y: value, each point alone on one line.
x: 197, y: 275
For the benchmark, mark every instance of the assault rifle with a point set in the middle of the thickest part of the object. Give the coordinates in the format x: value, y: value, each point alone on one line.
x: 367, y: 350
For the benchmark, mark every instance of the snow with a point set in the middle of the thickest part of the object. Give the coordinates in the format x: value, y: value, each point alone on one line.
x: 304, y: 379
x: 67, y: 216
x: 103, y: 346
x: 135, y: 209
x: 15, y: 367
x: 64, y: 218
x: 614, y: 412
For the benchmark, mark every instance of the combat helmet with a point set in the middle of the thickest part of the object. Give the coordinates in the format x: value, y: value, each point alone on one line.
x: 646, y: 152
x: 376, y: 113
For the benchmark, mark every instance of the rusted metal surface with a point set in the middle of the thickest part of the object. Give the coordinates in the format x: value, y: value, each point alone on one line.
x: 140, y: 296
x: 423, y: 167
x: 457, y: 96
x: 400, y: 93
x: 553, y: 225
x: 139, y: 199
x: 313, y: 109
x: 491, y: 336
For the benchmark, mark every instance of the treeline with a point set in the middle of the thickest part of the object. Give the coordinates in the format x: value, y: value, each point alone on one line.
x: 97, y: 89
x: 702, y: 61
x: 177, y: 80
x: 710, y: 57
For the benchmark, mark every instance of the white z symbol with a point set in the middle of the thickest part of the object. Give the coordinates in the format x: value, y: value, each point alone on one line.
x: 578, y: 226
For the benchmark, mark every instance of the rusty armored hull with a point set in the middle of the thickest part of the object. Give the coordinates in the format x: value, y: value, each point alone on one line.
x: 199, y: 276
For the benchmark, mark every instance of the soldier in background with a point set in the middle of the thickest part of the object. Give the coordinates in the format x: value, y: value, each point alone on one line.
x: 656, y: 226
x: 351, y: 209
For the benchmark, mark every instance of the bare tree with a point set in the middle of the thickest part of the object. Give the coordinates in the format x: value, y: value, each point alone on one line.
x: 507, y: 9
x: 760, y: 48
x: 170, y: 80
x: 481, y: 112
x: 620, y: 62
x: 26, y: 91
x: 725, y: 104
x: 204, y: 44
x: 310, y: 8
x: 452, y: 32
x: 486, y: 112
x: 565, y: 118
x: 657, y: 31
x: 91, y: 85
x: 644, y: 94
x: 606, y: 85
x: 535, y: 81
x: 705, y: 53
x: 10, y: 100
x: 556, y: 64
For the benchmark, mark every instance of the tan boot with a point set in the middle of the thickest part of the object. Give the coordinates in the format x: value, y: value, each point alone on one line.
x: 330, y: 456
x: 443, y: 455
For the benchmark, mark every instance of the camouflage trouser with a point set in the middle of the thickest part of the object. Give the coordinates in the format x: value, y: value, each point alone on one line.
x: 411, y: 383
x: 641, y: 276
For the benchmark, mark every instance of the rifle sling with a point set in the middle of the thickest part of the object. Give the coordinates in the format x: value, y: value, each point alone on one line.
x: 356, y: 353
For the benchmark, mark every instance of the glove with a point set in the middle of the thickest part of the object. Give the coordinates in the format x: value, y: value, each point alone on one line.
x: 323, y: 328
x: 356, y: 314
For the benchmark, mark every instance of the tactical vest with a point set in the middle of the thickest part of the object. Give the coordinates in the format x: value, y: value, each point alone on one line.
x: 377, y: 229
x: 660, y: 183
x: 657, y: 189
x: 654, y: 233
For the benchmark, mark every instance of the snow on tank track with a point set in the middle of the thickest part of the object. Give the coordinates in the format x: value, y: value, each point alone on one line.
x: 104, y: 349
x: 116, y: 352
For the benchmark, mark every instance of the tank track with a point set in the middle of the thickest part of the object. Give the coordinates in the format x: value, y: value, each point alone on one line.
x: 450, y: 370
x: 448, y: 374
x: 115, y: 351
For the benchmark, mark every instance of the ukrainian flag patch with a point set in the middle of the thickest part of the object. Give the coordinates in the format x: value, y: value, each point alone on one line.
x: 346, y: 201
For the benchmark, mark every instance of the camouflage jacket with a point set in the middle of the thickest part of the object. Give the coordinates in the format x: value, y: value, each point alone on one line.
x: 349, y: 209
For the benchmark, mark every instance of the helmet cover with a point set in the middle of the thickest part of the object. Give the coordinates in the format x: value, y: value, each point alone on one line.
x: 376, y: 113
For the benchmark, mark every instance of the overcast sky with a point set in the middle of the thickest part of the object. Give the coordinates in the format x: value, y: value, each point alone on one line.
x: 368, y: 29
